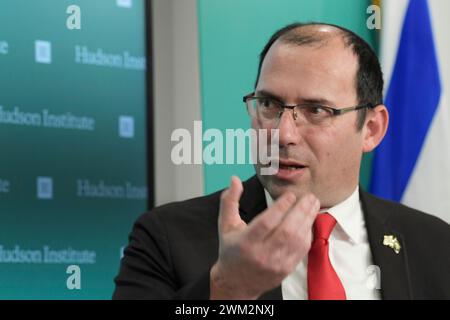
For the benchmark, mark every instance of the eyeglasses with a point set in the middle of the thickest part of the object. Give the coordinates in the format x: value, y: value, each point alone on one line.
x: 269, y: 110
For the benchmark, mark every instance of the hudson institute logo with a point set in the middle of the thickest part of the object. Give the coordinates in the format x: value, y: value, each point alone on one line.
x: 5, y: 186
x: 125, y: 3
x: 126, y: 127
x: 44, y: 188
x: 43, y: 51
x: 4, y: 47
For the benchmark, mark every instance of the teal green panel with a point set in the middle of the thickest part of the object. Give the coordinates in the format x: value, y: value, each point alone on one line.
x: 232, y: 34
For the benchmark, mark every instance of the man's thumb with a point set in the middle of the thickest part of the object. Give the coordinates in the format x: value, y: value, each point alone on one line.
x: 229, y: 206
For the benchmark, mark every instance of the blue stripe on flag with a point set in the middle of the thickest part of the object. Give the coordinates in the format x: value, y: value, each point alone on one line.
x: 412, y: 99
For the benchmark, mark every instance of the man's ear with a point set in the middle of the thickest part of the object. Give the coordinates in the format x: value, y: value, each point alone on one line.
x: 375, y: 127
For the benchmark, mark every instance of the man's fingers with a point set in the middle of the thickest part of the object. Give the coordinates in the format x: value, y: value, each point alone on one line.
x: 268, y: 220
x: 314, y: 211
x: 303, y: 214
x: 229, y: 206
x: 299, y: 219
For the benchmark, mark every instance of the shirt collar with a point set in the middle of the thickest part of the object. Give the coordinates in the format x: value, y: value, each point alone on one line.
x: 347, y: 213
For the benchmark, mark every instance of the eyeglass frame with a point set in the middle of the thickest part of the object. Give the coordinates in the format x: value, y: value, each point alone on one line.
x: 335, y: 111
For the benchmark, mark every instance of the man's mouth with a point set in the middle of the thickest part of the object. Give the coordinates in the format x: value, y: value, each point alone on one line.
x: 289, y: 169
x: 290, y: 165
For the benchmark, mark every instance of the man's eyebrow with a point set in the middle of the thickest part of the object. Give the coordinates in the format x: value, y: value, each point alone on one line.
x: 320, y: 101
x: 268, y: 94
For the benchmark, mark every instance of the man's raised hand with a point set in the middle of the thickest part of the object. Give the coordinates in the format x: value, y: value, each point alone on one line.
x: 255, y: 258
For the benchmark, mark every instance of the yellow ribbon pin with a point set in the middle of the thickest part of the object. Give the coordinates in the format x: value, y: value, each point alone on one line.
x: 392, y: 242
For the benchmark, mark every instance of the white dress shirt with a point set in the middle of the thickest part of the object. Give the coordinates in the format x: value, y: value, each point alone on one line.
x: 349, y: 253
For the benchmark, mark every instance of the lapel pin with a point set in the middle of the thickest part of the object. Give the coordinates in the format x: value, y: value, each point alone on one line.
x: 392, y: 242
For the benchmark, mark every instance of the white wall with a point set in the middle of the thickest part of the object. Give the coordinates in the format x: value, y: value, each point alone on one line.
x: 176, y: 95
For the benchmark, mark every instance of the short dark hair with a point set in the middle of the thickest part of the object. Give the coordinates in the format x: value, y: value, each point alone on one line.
x: 369, y: 77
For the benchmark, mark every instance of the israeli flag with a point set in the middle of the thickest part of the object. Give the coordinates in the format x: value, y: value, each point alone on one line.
x: 412, y: 164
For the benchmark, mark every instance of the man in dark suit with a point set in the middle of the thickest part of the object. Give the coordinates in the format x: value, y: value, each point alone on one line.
x: 308, y: 231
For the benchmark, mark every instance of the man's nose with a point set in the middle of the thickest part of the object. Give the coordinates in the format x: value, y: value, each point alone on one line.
x: 288, y: 130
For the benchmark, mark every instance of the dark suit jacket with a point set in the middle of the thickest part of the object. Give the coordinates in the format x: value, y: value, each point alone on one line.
x: 173, y: 247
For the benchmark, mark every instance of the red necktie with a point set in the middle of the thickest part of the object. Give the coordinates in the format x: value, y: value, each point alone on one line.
x: 323, y: 282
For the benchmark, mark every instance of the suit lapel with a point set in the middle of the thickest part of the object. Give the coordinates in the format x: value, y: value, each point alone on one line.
x: 394, y: 271
x: 253, y: 200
